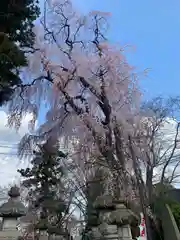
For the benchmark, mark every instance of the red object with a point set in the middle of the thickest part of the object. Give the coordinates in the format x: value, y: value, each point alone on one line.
x: 142, y: 234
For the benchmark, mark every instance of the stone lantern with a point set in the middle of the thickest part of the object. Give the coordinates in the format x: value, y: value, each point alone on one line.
x: 12, y: 210
x: 56, y: 233
x: 126, y: 220
x: 115, y: 220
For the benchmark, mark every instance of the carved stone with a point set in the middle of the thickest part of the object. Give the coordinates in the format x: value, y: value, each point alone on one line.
x: 114, y: 220
x: 10, y: 212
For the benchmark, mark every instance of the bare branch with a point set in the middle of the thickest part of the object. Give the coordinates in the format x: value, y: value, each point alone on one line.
x: 172, y: 152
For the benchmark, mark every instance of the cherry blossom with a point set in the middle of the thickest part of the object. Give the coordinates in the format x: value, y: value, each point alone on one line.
x: 84, y: 85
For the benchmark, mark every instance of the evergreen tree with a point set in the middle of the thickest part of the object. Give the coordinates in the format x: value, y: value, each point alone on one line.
x: 44, y: 181
x: 16, y: 20
x: 11, y: 59
x: 94, y: 188
x: 16, y: 35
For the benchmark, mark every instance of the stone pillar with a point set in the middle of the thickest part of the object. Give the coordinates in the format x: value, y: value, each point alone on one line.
x: 125, y: 220
x: 124, y: 232
x: 56, y: 237
x: 43, y: 235
x: 56, y: 233
x: 9, y: 224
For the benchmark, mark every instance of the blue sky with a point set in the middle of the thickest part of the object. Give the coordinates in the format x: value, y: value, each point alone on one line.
x: 153, y: 26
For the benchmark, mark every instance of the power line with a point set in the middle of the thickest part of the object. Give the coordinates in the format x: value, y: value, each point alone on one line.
x: 5, y: 146
x: 15, y: 154
x: 12, y: 148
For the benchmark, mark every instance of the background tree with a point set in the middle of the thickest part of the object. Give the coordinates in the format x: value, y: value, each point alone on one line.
x: 17, y: 20
x: 45, y: 186
x: 162, y: 128
x: 16, y: 38
x: 160, y: 162
x: 11, y: 60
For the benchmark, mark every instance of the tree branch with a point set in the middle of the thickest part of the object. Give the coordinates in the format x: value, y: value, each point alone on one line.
x: 172, y: 153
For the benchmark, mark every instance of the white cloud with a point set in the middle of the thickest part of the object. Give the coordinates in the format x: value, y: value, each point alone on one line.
x: 9, y: 138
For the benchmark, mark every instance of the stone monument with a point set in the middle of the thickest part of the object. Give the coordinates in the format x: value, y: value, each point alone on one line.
x: 10, y: 212
x: 112, y: 220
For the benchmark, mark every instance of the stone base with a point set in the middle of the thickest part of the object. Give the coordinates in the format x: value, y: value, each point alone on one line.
x: 115, y: 237
x: 111, y: 237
